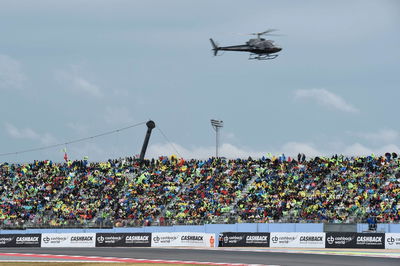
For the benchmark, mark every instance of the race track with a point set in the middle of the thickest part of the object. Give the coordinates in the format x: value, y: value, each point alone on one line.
x: 266, y: 257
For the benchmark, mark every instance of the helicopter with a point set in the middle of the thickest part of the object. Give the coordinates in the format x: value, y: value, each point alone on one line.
x: 259, y: 48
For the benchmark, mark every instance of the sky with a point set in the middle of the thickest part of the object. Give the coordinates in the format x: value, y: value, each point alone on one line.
x: 77, y: 68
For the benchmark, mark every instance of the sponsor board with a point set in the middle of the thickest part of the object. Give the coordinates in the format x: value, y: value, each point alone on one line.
x: 68, y: 240
x: 182, y: 239
x: 231, y: 239
x: 340, y: 240
x: 123, y: 239
x: 20, y: 240
x: 354, y: 240
x: 392, y: 241
x: 297, y: 240
x: 370, y: 240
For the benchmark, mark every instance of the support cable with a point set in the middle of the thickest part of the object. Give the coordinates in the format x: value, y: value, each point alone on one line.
x: 169, y: 142
x: 72, y: 141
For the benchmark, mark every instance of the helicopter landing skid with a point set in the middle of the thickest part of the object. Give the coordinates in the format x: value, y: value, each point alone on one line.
x: 262, y: 56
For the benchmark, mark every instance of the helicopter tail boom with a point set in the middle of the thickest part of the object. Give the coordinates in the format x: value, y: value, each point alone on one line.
x: 215, y: 47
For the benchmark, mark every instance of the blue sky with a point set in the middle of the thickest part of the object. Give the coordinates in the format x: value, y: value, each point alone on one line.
x: 72, y: 69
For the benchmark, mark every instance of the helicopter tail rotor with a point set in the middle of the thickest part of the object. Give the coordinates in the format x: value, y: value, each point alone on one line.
x: 215, y: 47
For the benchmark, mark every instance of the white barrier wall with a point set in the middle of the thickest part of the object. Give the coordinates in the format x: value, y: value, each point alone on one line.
x: 196, y: 239
x: 182, y: 239
x: 69, y: 240
x: 392, y: 241
x: 298, y: 240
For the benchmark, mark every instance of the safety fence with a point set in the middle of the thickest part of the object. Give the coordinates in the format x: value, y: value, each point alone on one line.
x: 209, y: 240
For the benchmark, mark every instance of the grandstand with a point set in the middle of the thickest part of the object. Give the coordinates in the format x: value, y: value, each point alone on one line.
x: 129, y: 192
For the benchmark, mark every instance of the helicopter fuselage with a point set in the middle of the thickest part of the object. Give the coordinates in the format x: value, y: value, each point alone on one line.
x: 263, y: 49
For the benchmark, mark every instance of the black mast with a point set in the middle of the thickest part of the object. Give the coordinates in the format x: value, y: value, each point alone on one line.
x: 150, y: 125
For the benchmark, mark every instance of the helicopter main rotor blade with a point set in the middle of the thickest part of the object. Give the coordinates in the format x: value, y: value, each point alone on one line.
x: 267, y: 31
x: 263, y: 33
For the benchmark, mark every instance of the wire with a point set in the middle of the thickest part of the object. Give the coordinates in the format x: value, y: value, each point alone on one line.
x: 73, y: 141
x: 169, y: 142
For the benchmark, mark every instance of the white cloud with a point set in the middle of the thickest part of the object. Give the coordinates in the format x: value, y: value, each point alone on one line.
x: 381, y: 136
x: 232, y: 151
x: 326, y: 98
x: 289, y: 149
x: 28, y: 133
x: 159, y: 149
x: 11, y: 76
x: 16, y: 133
x: 227, y: 150
x: 76, y: 82
x: 87, y: 86
x: 293, y: 148
x: 358, y: 149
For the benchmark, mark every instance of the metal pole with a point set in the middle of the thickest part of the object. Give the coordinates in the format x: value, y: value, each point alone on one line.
x: 216, y: 124
x: 216, y: 142
x: 150, y: 125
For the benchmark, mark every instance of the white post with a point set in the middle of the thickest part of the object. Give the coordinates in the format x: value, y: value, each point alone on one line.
x: 216, y: 124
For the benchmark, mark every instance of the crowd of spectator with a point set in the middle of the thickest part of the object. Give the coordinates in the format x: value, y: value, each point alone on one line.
x: 128, y: 192
x: 336, y: 189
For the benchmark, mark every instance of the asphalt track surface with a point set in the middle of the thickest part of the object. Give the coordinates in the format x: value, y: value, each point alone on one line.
x: 219, y: 256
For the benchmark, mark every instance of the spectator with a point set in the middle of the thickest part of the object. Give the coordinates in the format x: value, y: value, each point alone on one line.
x: 127, y: 192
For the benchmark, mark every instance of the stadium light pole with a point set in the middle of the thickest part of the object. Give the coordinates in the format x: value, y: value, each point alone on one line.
x: 217, y: 124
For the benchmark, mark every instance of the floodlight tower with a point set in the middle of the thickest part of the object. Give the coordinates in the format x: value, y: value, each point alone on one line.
x: 217, y: 124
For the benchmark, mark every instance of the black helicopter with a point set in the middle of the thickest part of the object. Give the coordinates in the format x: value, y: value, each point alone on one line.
x: 259, y: 48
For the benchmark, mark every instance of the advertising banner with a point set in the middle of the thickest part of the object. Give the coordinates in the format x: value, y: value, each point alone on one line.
x: 370, y: 240
x: 392, y: 241
x: 355, y: 240
x: 68, y: 240
x: 341, y: 240
x: 123, y: 239
x: 19, y: 240
x: 182, y: 239
x: 231, y: 239
x: 298, y: 240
